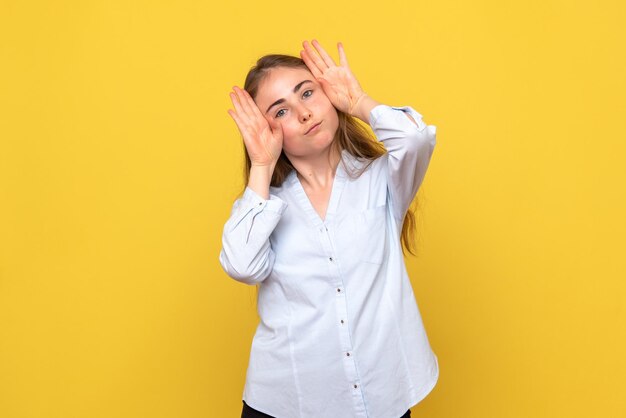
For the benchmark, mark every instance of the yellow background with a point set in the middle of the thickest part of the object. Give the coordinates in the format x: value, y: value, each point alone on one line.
x: 119, y: 165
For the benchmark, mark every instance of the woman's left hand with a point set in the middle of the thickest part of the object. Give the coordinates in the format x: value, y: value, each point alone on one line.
x: 338, y: 82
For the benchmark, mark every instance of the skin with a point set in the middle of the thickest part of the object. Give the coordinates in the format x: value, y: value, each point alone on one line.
x: 285, y: 126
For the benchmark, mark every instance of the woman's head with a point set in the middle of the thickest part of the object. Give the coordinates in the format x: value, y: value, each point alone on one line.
x: 274, y: 77
x: 294, y: 99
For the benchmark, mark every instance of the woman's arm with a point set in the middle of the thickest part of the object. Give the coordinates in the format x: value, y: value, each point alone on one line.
x: 410, y: 143
x: 408, y: 140
x: 246, y: 254
x: 363, y: 109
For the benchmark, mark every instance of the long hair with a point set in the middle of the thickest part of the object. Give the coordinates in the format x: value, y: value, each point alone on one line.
x: 351, y: 135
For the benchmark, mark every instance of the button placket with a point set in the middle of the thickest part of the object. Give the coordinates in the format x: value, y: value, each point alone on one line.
x: 344, y: 331
x: 329, y: 250
x: 346, y: 342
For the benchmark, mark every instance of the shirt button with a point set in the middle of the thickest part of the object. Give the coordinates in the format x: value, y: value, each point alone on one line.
x: 342, y: 321
x: 330, y: 258
x: 356, y: 386
x: 348, y: 354
x: 338, y: 290
x: 260, y: 203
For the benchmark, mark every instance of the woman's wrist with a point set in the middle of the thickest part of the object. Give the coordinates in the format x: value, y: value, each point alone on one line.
x: 260, y: 179
x: 363, y: 107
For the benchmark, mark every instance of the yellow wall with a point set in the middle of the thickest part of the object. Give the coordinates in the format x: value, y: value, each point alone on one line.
x: 119, y: 163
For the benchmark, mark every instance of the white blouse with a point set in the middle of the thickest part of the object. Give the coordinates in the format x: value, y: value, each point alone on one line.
x: 340, y: 333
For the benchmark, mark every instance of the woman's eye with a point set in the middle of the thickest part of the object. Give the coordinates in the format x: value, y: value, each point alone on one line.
x: 278, y: 114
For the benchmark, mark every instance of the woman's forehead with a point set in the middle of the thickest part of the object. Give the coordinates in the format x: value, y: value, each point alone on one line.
x: 280, y: 81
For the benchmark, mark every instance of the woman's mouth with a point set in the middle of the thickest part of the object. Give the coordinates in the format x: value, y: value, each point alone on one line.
x: 313, y: 128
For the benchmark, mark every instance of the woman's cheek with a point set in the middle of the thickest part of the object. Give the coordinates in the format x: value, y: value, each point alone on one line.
x: 288, y: 131
x: 286, y: 136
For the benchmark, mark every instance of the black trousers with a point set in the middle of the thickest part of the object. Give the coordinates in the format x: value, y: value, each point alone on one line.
x: 249, y: 412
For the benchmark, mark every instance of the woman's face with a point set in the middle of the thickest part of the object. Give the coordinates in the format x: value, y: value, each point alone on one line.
x: 294, y: 99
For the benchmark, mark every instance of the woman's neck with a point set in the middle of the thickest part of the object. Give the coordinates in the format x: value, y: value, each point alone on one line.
x: 317, y: 172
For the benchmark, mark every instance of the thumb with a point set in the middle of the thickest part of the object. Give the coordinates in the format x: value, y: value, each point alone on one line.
x: 277, y: 129
x: 325, y: 84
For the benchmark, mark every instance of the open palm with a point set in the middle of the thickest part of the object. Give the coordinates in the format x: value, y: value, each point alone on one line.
x: 337, y: 81
x: 263, y: 142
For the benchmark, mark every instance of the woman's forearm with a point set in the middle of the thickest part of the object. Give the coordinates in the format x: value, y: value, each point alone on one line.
x: 260, y: 179
x: 365, y: 105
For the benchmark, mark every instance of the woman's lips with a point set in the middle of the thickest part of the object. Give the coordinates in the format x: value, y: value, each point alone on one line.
x: 313, y: 128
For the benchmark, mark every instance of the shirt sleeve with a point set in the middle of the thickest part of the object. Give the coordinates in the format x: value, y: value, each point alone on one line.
x: 246, y: 253
x: 409, y: 148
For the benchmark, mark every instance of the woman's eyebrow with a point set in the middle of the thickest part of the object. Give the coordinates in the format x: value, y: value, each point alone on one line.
x: 295, y: 90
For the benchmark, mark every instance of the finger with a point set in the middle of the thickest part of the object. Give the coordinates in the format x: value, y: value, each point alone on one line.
x: 241, y: 113
x: 248, y: 103
x: 243, y: 120
x: 324, y: 83
x: 277, y: 129
x: 343, y: 60
x: 248, y: 140
x: 312, y: 57
x: 243, y: 100
x: 234, y: 115
x: 319, y: 62
x: 309, y: 63
x: 327, y: 59
x: 240, y: 124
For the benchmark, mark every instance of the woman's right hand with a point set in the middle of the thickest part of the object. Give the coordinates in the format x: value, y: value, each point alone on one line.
x: 264, y: 142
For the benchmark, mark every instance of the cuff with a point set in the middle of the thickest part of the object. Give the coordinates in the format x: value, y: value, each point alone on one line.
x: 253, y: 200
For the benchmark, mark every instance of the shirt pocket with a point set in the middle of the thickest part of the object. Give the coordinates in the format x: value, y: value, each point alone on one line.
x: 371, y: 234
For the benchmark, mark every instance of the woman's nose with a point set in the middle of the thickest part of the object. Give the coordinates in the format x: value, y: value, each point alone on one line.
x: 305, y: 114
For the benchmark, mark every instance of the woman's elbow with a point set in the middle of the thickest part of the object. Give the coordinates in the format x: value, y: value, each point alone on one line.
x: 423, y: 141
x: 251, y: 272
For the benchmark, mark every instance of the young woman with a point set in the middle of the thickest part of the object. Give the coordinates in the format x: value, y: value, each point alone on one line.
x: 319, y: 228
